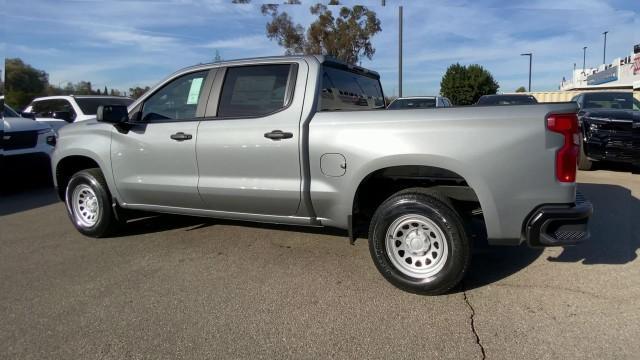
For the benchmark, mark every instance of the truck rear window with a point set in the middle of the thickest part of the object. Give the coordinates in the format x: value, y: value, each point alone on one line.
x: 346, y: 90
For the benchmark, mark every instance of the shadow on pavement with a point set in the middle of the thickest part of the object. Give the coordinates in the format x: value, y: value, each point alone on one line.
x: 153, y: 223
x: 493, y: 263
x: 26, y: 192
x: 616, y: 166
x: 615, y: 227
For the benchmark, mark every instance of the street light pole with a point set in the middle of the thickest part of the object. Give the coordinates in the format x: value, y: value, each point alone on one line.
x: 530, y: 55
x: 400, y: 51
x: 584, y: 58
x: 604, y: 53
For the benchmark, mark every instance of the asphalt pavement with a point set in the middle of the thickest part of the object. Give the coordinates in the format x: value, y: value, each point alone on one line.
x: 191, y: 288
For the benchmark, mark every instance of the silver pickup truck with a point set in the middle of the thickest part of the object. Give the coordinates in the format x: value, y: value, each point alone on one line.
x: 306, y: 140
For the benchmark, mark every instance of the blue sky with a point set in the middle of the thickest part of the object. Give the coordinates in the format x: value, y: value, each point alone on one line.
x: 126, y: 43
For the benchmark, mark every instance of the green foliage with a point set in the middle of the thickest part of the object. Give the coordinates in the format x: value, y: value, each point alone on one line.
x: 138, y: 91
x: 464, y: 85
x: 521, y: 89
x: 345, y: 35
x: 23, y: 82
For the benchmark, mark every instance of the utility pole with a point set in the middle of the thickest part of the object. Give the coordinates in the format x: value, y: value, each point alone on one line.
x: 604, y: 53
x: 530, y: 55
x: 584, y: 59
x: 400, y: 51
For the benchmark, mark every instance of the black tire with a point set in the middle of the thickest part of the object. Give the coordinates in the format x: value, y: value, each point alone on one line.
x: 440, y: 212
x: 583, y: 161
x: 106, y: 222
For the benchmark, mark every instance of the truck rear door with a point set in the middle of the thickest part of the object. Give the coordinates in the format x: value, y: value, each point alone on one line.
x: 248, y: 143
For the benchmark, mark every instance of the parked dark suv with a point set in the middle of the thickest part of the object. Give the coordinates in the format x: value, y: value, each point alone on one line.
x: 607, y: 120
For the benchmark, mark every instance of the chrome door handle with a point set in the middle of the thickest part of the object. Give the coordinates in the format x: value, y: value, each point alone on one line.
x: 180, y: 136
x: 277, y: 135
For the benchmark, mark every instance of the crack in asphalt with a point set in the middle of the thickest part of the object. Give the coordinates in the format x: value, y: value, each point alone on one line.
x: 473, y: 324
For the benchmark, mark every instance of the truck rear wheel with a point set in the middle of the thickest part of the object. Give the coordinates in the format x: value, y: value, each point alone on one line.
x: 418, y: 243
x: 89, y: 203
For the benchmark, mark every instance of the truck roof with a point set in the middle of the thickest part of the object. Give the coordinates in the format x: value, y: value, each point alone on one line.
x: 52, y: 97
x: 323, y: 59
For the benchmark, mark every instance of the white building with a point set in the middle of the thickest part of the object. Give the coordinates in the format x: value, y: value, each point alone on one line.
x: 622, y: 73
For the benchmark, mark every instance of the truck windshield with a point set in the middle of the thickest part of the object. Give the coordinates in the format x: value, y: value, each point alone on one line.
x: 347, y: 90
x: 507, y: 100
x: 612, y: 100
x: 9, y: 112
x: 89, y: 106
x: 412, y: 104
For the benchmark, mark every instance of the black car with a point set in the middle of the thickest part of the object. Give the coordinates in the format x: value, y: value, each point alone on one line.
x: 511, y: 99
x: 607, y: 122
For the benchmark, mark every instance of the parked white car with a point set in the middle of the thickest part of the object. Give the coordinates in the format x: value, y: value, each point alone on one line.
x: 25, y: 143
x: 58, y: 111
x: 419, y: 102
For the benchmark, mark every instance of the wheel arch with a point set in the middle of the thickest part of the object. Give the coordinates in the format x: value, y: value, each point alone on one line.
x: 66, y: 166
x: 418, y: 170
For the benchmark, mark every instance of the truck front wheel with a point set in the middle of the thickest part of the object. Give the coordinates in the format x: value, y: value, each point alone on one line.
x: 418, y: 243
x: 88, y: 203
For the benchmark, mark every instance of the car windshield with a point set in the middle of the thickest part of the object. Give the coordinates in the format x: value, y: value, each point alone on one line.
x: 611, y: 100
x: 507, y: 100
x: 89, y: 106
x: 9, y: 112
x: 412, y: 104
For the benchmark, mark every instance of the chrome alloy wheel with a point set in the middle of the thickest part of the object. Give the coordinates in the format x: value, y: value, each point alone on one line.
x: 416, y: 246
x: 85, y: 206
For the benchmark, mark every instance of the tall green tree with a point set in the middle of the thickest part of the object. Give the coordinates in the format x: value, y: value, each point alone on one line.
x: 464, y: 85
x: 23, y: 82
x: 83, y: 88
x: 521, y: 89
x: 137, y: 91
x: 345, y: 35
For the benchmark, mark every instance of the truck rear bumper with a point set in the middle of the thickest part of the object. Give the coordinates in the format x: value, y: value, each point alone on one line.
x: 559, y: 224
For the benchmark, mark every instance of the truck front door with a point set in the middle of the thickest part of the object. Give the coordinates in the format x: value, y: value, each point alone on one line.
x: 248, y: 144
x: 154, y: 162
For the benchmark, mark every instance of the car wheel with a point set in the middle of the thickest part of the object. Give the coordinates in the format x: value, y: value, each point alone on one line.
x: 418, y: 243
x: 89, y: 203
x: 583, y: 161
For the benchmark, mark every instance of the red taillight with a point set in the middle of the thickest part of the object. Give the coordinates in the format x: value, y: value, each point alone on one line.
x: 567, y: 155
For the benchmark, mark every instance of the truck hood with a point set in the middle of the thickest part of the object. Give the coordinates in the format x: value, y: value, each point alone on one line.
x: 12, y: 124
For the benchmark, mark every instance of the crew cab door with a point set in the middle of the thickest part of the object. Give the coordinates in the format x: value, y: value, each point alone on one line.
x: 248, y: 144
x: 154, y: 162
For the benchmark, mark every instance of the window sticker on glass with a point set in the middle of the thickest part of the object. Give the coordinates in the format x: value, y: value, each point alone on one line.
x: 194, y: 91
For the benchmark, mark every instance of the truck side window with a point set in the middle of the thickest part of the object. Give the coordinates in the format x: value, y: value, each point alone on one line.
x: 250, y: 91
x: 177, y: 100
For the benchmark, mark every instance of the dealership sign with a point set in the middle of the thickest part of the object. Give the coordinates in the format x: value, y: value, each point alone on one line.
x: 636, y: 64
x: 604, y: 76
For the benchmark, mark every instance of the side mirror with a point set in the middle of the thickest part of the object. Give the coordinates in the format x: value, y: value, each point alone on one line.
x: 64, y: 115
x: 28, y: 115
x: 114, y: 114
